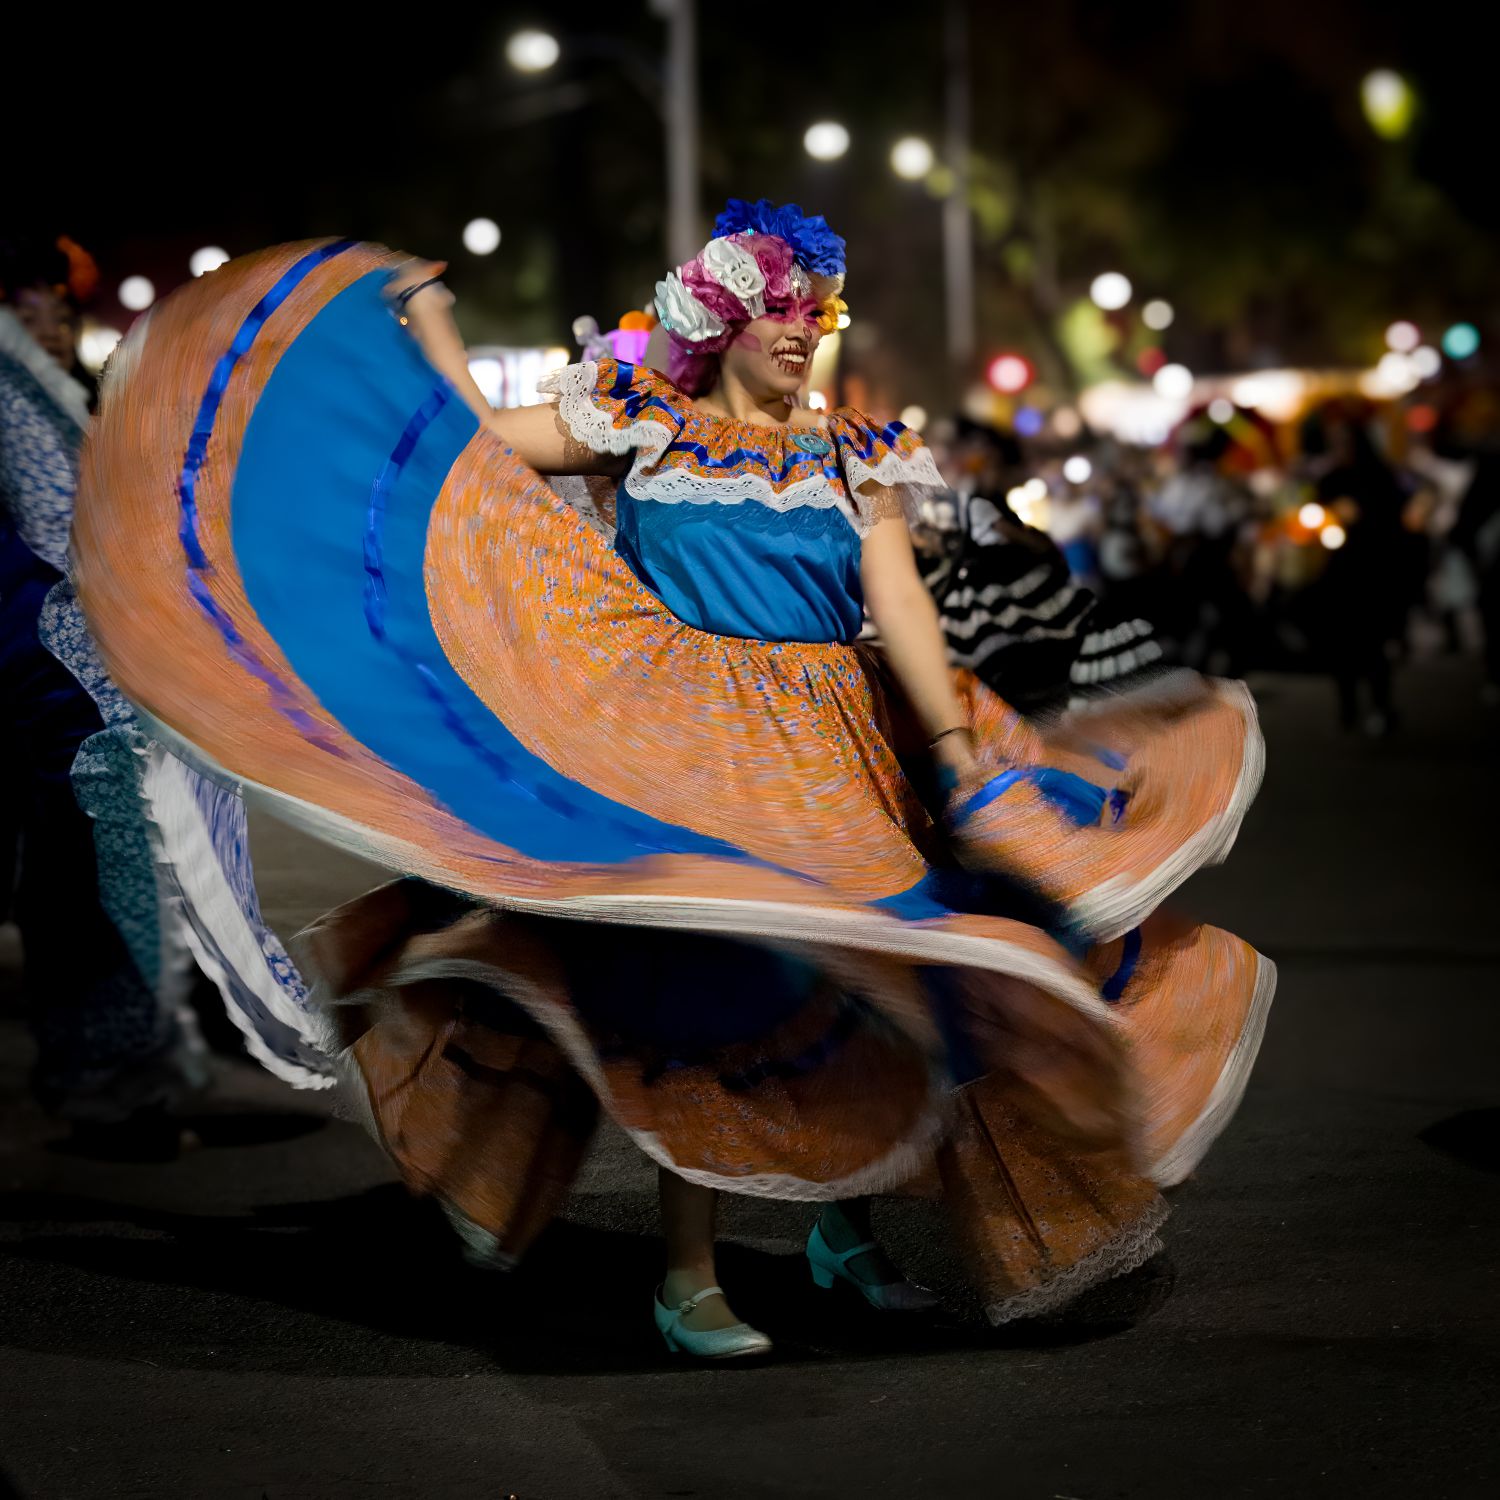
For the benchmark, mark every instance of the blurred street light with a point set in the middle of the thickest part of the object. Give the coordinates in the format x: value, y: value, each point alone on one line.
x: 1111, y: 291
x: 1389, y: 103
x: 209, y: 258
x: 532, y: 51
x: 1426, y: 361
x: 1157, y: 314
x: 912, y: 158
x: 1461, y: 341
x: 95, y: 345
x: 1173, y: 382
x: 137, y: 293
x: 481, y: 236
x: 826, y: 140
x: 1403, y: 337
x: 1009, y: 373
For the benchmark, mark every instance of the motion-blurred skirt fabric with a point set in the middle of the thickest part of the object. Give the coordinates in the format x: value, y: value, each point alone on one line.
x: 676, y: 875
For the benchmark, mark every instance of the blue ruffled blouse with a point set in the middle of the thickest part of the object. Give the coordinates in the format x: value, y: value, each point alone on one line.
x: 740, y: 529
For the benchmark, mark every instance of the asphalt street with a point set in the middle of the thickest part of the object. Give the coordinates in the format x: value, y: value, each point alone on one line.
x: 270, y: 1317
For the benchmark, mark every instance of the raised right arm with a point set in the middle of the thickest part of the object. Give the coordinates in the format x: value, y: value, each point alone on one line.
x: 536, y: 434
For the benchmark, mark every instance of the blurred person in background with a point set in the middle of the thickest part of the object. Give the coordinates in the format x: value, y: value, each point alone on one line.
x: 1368, y: 585
x: 1476, y: 536
x: 1198, y: 512
x: 107, y: 972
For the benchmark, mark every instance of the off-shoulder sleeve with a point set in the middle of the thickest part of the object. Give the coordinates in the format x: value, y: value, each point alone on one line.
x: 615, y: 408
x: 889, y: 455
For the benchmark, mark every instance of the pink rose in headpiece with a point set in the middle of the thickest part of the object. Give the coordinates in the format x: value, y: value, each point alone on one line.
x: 719, y: 300
x: 774, y: 257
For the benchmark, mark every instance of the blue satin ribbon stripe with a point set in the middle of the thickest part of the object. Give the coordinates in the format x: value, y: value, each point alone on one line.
x: 1130, y: 956
x: 342, y: 461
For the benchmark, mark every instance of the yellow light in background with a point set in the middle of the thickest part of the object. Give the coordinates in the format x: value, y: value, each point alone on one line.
x: 912, y: 158
x: 1030, y: 503
x: 1157, y: 314
x: 1111, y: 291
x: 1312, y: 515
x: 1173, y: 382
x: 914, y: 417
x: 844, y: 320
x: 137, y: 293
x: 209, y: 258
x: 532, y: 51
x: 481, y: 236
x: 826, y: 140
x: 95, y: 345
x: 817, y: 401
x: 1389, y: 103
x: 1333, y: 536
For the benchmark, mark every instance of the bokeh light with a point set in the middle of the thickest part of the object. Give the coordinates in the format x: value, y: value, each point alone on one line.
x: 95, y: 345
x: 1110, y: 290
x: 532, y: 51
x: 481, y: 236
x: 1221, y: 410
x: 1461, y: 341
x: 1403, y: 336
x: 1157, y: 314
x: 914, y: 417
x: 1078, y: 470
x: 1426, y: 361
x: 1173, y: 382
x: 1066, y: 423
x: 912, y: 158
x: 1009, y: 373
x: 1149, y: 361
x: 1389, y: 103
x: 137, y: 293
x: 209, y: 258
x: 1312, y: 515
x: 826, y: 140
x: 1029, y: 421
x: 1333, y: 536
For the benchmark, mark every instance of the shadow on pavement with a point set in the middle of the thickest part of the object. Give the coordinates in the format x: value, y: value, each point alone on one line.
x: 378, y: 1288
x: 1472, y: 1137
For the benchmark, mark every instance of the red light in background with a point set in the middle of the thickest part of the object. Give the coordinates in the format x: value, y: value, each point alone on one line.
x: 1422, y: 418
x: 1149, y: 361
x: 1009, y: 373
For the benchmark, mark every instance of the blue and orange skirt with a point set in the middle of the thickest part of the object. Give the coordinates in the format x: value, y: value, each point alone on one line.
x: 681, y: 877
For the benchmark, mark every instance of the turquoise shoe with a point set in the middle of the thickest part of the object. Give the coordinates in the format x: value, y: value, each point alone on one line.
x: 895, y: 1296
x: 735, y: 1342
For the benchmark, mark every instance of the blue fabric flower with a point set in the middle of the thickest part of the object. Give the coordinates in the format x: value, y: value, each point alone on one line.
x: 813, y: 243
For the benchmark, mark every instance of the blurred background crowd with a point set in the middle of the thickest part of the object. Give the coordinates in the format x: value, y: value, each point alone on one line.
x: 1205, y: 297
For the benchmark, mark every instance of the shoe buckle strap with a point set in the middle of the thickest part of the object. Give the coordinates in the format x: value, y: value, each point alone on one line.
x: 691, y: 1305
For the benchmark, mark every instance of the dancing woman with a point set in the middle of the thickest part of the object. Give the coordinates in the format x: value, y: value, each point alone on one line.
x: 796, y: 980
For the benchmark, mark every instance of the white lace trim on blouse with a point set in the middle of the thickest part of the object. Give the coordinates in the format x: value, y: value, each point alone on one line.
x: 576, y: 387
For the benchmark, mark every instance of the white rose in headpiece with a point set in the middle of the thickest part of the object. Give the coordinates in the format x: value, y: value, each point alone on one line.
x: 736, y: 270
x: 682, y: 313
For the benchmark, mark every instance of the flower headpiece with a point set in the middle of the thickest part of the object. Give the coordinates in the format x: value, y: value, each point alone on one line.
x: 762, y: 258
